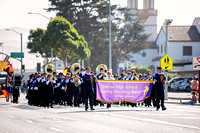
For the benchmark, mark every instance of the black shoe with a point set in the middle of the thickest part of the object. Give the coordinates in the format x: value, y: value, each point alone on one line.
x: 86, y: 109
x: 164, y: 108
x: 92, y: 109
x: 157, y: 109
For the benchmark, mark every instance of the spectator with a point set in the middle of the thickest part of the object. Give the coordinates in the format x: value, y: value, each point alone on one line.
x: 194, y: 85
x: 192, y: 100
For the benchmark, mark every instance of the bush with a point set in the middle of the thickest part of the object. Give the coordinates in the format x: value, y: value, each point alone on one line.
x: 139, y: 69
x: 173, y: 75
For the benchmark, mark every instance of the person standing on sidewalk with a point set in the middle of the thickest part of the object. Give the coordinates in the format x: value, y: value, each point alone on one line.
x: 159, y: 80
x: 194, y: 85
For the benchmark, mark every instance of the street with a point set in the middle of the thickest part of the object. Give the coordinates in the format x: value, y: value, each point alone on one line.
x: 23, y: 118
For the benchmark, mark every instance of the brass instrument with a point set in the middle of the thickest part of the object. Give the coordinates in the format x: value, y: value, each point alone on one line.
x: 51, y: 84
x: 75, y: 69
x: 65, y: 88
x: 49, y: 68
x: 135, y: 74
x: 91, y: 78
x: 53, y: 78
x: 101, y: 66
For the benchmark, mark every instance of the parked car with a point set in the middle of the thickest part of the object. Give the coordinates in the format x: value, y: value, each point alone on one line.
x: 175, y: 86
x: 2, y: 77
x: 185, y: 85
x: 173, y: 80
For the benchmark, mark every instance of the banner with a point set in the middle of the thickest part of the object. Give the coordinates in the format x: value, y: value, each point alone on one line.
x: 111, y: 91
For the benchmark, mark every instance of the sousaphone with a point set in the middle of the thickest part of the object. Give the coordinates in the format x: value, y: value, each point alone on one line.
x: 101, y: 66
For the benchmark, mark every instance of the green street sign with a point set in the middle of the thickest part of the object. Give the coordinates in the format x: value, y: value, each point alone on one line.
x: 16, y: 55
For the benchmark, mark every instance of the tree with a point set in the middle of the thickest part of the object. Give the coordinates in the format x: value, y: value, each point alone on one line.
x: 65, y: 40
x: 36, y: 45
x: 90, y: 18
x: 62, y: 37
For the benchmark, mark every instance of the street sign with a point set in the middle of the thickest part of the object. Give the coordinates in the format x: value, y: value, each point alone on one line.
x: 196, y: 63
x: 166, y: 63
x: 16, y: 55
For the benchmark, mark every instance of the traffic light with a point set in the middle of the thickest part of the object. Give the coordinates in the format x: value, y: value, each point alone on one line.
x: 23, y: 69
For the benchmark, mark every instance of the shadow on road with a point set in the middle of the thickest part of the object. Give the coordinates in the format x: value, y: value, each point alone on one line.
x: 107, y: 110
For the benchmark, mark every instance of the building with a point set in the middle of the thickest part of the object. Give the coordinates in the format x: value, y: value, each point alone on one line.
x: 183, y: 43
x: 148, y: 16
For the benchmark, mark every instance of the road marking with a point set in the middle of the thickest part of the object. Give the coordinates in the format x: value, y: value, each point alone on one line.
x: 55, y: 129
x: 10, y: 116
x: 29, y: 121
x: 188, y: 117
x: 57, y: 121
x: 153, y: 120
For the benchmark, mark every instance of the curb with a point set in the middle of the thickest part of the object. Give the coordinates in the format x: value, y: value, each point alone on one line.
x: 171, y: 102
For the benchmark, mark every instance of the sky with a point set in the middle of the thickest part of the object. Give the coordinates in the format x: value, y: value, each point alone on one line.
x: 14, y: 13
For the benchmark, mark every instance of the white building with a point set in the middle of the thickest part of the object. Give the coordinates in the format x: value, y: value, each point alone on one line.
x: 182, y: 45
x: 148, y: 16
x: 183, y: 42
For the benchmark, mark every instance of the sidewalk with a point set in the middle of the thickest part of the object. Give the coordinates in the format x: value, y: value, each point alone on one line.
x: 175, y: 97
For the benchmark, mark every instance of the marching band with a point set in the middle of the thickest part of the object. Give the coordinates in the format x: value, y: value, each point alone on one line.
x: 79, y: 87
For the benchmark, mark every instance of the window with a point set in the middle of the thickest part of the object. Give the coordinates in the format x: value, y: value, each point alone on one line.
x: 144, y: 54
x: 161, y: 49
x: 187, y: 50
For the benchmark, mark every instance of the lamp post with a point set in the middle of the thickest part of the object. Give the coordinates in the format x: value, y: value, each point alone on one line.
x: 48, y: 19
x: 1, y: 45
x: 110, y: 54
x: 21, y: 43
x: 40, y: 15
x: 166, y: 24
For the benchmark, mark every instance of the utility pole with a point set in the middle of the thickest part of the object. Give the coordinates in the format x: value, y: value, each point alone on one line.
x: 110, y: 54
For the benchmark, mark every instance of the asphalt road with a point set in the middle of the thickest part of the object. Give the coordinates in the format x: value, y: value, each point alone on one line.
x: 22, y: 118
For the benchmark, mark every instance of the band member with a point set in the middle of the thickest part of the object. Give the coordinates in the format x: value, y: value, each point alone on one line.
x: 148, y: 100
x: 134, y: 75
x: 57, y: 89
x: 109, y: 77
x: 129, y: 76
x: 9, y: 88
x: 159, y: 79
x: 76, y: 86
x: 64, y: 89
x: 70, y: 86
x: 49, y: 91
x: 88, y: 91
x: 101, y: 75
x: 82, y: 86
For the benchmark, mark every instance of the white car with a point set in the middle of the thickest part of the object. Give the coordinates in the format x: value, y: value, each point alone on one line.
x: 185, y: 85
x: 175, y: 86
